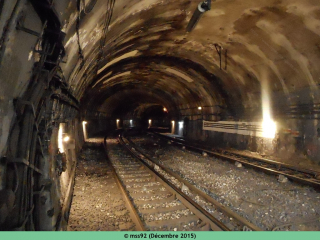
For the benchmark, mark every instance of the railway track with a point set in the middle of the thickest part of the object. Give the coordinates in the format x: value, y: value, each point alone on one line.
x: 160, y: 200
x: 297, y: 174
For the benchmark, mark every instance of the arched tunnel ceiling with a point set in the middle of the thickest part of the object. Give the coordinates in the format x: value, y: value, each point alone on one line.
x: 135, y: 101
x: 269, y: 43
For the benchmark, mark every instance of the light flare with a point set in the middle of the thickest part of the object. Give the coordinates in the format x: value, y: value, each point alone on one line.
x: 84, y: 129
x: 66, y: 139
x: 269, y: 126
x: 173, y: 126
x: 60, y: 138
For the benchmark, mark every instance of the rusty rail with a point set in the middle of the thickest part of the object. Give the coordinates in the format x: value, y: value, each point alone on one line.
x: 297, y: 174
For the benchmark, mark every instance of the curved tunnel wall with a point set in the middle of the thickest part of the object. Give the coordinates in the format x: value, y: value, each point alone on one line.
x: 62, y: 62
x: 238, y: 51
x: 265, y: 46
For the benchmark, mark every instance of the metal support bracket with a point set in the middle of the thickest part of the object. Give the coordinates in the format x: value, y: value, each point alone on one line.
x: 226, y: 59
x: 219, y: 51
x: 25, y: 162
x: 27, y: 30
x: 20, y: 26
x: 31, y: 105
x: 47, y: 53
x: 20, y: 102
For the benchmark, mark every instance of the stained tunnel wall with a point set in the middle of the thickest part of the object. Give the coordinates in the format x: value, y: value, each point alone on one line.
x: 101, y: 67
x: 261, y: 40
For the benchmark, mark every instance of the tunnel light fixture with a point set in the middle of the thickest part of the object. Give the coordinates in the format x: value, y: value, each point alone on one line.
x: 172, y: 127
x: 85, y: 135
x: 199, y: 108
x: 202, y: 8
x: 118, y: 120
x: 269, y: 128
x: 180, y: 124
x: 165, y: 109
x: 66, y: 139
x: 60, y: 137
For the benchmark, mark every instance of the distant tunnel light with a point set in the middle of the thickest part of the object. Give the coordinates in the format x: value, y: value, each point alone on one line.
x: 269, y: 128
x: 165, y: 109
x: 84, y: 129
x: 180, y: 124
x: 199, y: 108
x: 131, y: 123
x: 172, y: 127
x: 118, y: 120
x: 150, y: 122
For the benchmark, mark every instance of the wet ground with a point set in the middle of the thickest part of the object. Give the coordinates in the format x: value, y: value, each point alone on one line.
x: 97, y: 201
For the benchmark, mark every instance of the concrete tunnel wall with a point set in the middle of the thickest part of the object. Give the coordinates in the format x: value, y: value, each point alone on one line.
x: 266, y: 46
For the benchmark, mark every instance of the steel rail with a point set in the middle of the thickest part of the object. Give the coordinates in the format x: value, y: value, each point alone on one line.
x: 218, y: 205
x: 132, y: 210
x: 214, y: 223
x: 301, y: 175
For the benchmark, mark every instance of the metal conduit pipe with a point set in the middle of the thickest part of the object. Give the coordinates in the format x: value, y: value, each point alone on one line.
x: 201, y: 8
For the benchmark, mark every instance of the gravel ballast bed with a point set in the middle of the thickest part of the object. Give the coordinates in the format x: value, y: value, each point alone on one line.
x: 97, y: 201
x: 258, y: 197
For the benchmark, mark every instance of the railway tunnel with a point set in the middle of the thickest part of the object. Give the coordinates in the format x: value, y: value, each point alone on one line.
x: 245, y: 76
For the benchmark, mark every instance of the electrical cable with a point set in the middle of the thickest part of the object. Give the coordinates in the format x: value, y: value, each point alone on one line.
x: 17, y: 178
